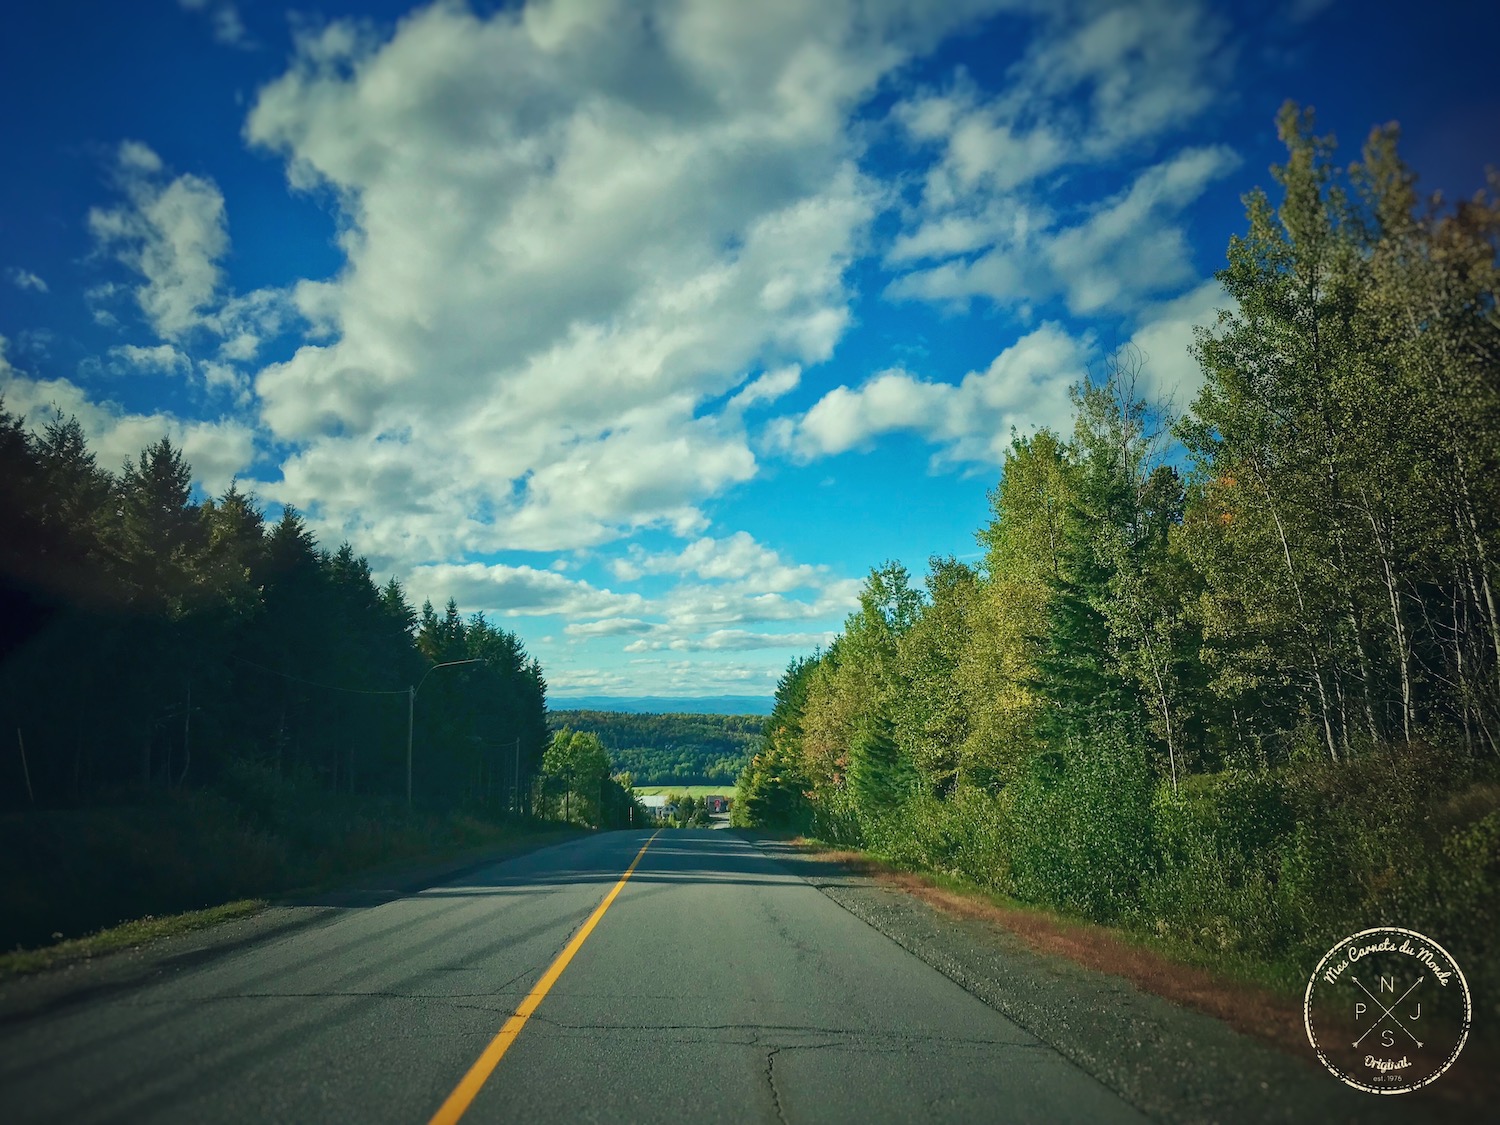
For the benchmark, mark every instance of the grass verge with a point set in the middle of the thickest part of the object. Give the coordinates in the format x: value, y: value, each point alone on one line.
x: 1263, y: 1001
x: 1259, y: 1000
x: 127, y: 935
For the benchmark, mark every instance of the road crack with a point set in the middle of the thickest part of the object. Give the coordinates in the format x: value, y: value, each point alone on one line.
x: 771, y: 1081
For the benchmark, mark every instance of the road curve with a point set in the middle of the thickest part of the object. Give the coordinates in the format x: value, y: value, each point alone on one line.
x: 718, y: 986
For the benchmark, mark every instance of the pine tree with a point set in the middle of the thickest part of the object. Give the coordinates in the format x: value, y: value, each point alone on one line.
x: 880, y: 776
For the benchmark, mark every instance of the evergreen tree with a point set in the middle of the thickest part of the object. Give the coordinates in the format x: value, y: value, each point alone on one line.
x: 880, y: 777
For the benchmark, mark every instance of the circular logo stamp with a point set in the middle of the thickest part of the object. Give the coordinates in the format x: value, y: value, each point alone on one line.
x: 1387, y: 1010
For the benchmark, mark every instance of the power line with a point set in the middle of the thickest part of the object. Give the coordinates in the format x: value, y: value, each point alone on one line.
x: 315, y: 683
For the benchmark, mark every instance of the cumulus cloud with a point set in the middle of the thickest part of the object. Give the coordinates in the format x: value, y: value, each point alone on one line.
x: 222, y: 378
x: 1172, y: 376
x: 218, y: 449
x: 1024, y: 386
x: 691, y: 607
x: 736, y: 558
x: 654, y: 676
x: 171, y: 232
x: 162, y: 357
x: 767, y: 388
x: 517, y: 591
x: 608, y: 627
x: 568, y: 228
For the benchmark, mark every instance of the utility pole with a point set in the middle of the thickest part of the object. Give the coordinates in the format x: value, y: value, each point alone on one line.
x: 516, y: 784
x: 411, y: 710
x: 187, y: 732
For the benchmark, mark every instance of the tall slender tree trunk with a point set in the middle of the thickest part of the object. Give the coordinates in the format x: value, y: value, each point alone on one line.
x: 1384, y: 550
x: 1459, y: 672
x: 1366, y: 697
x: 1317, y: 670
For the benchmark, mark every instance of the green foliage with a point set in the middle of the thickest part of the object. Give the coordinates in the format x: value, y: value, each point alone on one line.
x: 931, y: 718
x: 1080, y: 828
x: 772, y: 789
x: 160, y: 640
x: 576, y: 784
x: 1249, y: 709
x: 880, y: 776
x: 668, y: 749
x: 72, y: 871
x: 772, y: 792
x: 688, y: 811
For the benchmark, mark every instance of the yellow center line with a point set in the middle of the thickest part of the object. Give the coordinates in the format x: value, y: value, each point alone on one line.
x: 465, y: 1092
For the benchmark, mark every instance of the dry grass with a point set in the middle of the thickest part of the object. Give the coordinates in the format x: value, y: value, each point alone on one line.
x: 127, y: 935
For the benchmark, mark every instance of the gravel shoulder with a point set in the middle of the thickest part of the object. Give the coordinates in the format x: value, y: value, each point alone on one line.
x: 1173, y: 1064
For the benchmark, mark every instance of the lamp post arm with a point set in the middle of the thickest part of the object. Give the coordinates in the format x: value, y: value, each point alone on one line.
x: 445, y: 664
x: 411, y: 710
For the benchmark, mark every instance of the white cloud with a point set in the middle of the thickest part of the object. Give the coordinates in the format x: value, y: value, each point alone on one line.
x: 1126, y: 249
x: 734, y: 640
x: 768, y: 387
x: 25, y: 279
x: 608, y: 627
x: 1024, y: 386
x: 1172, y: 375
x: 221, y: 378
x: 737, y: 558
x: 162, y: 357
x: 691, y: 607
x: 171, y: 232
x: 224, y: 20
x: 242, y: 347
x: 1095, y: 86
x: 653, y: 676
x: 568, y: 228
x: 1146, y: 67
x: 218, y: 450
x: 516, y: 591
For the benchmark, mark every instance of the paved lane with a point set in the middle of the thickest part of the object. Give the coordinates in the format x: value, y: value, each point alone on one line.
x: 717, y: 987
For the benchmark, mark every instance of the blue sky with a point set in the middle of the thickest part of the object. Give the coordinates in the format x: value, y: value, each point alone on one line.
x: 648, y: 328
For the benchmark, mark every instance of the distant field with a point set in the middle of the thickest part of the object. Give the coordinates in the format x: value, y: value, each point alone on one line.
x: 689, y: 790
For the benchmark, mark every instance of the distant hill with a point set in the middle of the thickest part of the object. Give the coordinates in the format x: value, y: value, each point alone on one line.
x: 670, y: 749
x: 665, y: 705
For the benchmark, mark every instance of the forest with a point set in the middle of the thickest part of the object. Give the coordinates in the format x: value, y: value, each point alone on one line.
x: 187, y: 685
x: 670, y: 749
x: 1229, y: 678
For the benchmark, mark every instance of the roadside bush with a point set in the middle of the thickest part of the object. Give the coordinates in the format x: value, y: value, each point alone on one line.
x: 1215, y: 882
x: 72, y: 871
x: 835, y: 818
x: 1080, y: 830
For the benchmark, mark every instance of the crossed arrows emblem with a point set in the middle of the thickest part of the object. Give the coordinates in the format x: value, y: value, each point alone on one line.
x: 1388, y: 1011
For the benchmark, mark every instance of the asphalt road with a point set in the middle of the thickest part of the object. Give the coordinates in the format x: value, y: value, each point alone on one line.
x: 718, y: 986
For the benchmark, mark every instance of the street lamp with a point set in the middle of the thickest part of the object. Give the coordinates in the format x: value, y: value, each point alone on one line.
x: 411, y: 708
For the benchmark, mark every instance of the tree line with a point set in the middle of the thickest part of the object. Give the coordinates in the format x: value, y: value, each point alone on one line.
x: 667, y: 749
x: 1233, y: 675
x: 578, y: 786
x: 157, y: 641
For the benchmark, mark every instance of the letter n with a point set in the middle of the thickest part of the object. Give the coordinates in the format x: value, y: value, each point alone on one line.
x: 1387, y: 984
